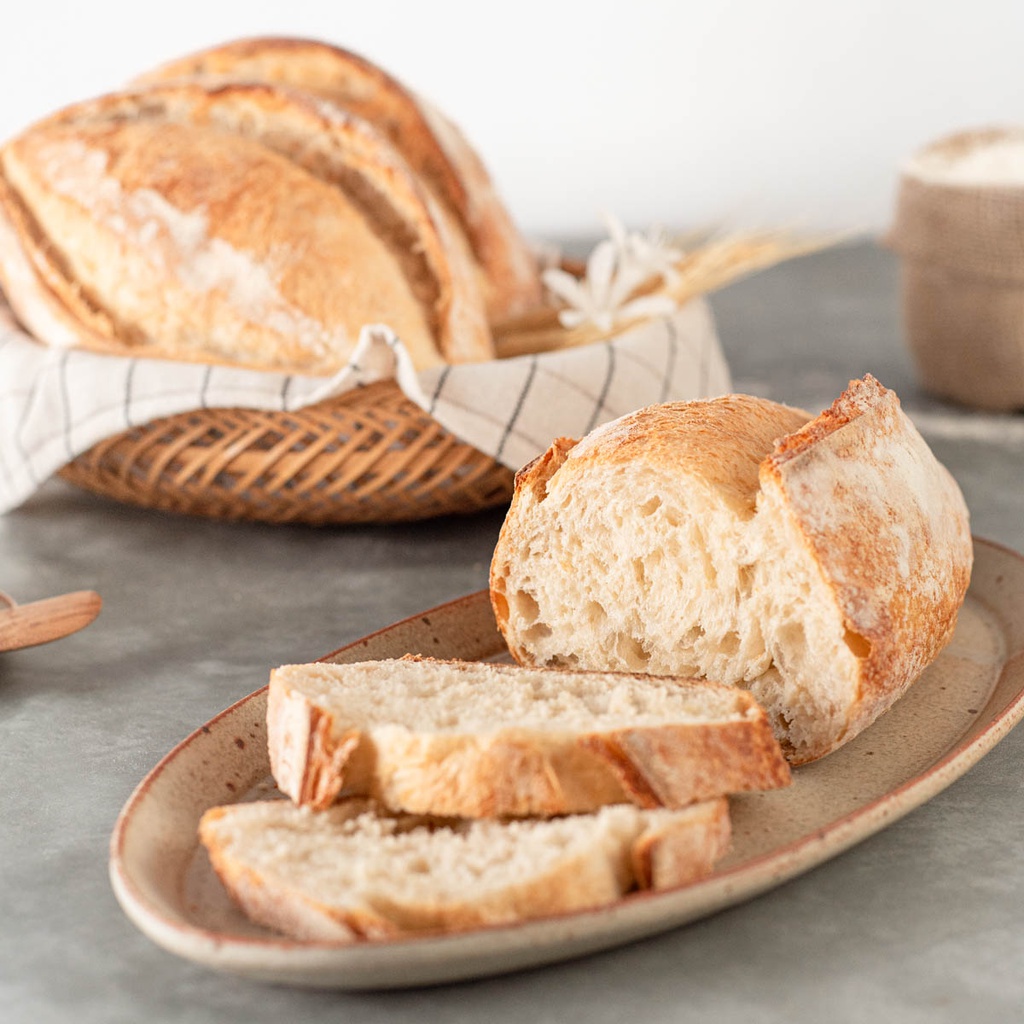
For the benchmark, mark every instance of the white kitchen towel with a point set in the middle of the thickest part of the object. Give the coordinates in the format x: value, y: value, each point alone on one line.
x: 56, y: 403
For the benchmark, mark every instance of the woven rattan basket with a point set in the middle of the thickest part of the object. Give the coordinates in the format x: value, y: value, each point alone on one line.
x: 370, y: 455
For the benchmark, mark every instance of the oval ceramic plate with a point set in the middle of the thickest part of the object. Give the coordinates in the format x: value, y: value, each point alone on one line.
x: 960, y: 708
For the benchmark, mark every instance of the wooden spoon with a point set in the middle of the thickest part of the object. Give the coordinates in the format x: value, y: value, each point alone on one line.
x: 39, y: 622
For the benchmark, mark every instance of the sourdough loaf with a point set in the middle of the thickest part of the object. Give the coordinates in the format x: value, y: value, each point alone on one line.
x: 433, y: 146
x: 817, y: 562
x: 248, y: 224
x: 355, y: 872
x: 468, y: 739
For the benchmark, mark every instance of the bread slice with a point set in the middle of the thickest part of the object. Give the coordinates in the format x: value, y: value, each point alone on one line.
x: 91, y: 254
x: 817, y: 562
x: 468, y: 739
x: 432, y: 145
x: 354, y: 873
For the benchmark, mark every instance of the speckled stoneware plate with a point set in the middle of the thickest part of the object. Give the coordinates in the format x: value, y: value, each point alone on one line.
x: 963, y: 705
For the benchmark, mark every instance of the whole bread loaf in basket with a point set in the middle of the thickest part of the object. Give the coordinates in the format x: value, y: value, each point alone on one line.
x: 284, y: 208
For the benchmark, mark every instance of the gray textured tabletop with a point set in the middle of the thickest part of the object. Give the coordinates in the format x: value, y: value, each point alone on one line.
x: 922, y: 922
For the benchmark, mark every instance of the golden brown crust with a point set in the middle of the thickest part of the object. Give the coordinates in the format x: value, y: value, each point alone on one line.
x: 344, y: 151
x: 719, y: 442
x: 859, y: 398
x: 192, y: 241
x: 674, y: 766
x: 684, y: 850
x: 535, y: 475
x: 398, y: 245
x: 54, y: 315
x: 337, y: 74
x: 889, y: 531
x: 432, y: 145
x: 309, y: 760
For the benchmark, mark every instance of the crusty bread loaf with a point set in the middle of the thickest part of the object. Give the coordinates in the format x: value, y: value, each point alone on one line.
x: 467, y: 739
x: 247, y: 223
x: 818, y: 563
x: 432, y: 145
x: 353, y: 872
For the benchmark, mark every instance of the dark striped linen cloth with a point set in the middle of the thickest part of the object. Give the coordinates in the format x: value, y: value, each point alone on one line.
x: 57, y: 403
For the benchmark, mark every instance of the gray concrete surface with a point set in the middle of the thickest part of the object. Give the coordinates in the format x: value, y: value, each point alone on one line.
x: 923, y: 922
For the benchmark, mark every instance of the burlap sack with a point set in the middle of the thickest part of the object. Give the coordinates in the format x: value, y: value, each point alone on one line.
x: 962, y: 249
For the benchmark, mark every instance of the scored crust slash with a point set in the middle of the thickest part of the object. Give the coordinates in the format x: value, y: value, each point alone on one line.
x: 258, y: 205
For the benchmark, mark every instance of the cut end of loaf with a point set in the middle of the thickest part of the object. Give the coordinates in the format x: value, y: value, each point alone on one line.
x: 666, y: 579
x: 723, y: 539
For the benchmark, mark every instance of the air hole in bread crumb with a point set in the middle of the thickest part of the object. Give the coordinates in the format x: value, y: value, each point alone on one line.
x: 562, y: 661
x: 594, y: 613
x: 781, y: 726
x: 692, y: 635
x: 538, y: 631
x: 650, y: 506
x: 729, y: 645
x: 860, y: 646
x: 525, y: 607
x: 745, y: 580
x: 790, y: 642
x: 632, y: 652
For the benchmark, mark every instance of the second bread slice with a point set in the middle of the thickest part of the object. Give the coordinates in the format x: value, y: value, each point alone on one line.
x: 468, y: 739
x: 355, y: 872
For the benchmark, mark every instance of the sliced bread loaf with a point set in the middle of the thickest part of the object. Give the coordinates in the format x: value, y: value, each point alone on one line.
x: 477, y: 740
x: 817, y: 562
x: 353, y: 872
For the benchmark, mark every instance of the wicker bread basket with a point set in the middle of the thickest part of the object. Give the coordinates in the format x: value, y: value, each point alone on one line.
x: 369, y: 455
x: 371, y: 452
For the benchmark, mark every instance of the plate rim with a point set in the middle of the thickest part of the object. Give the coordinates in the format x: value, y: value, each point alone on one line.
x: 241, y: 954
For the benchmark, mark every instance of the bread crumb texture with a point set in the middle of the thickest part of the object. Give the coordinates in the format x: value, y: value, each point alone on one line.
x: 477, y: 740
x: 356, y: 872
x: 817, y: 562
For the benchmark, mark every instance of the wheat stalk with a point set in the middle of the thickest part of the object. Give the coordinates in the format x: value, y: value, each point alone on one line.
x: 715, y: 263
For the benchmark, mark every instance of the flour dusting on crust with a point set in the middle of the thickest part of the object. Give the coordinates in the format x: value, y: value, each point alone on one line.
x: 178, y: 242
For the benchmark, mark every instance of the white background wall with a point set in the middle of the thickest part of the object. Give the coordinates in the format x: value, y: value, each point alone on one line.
x: 793, y: 111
